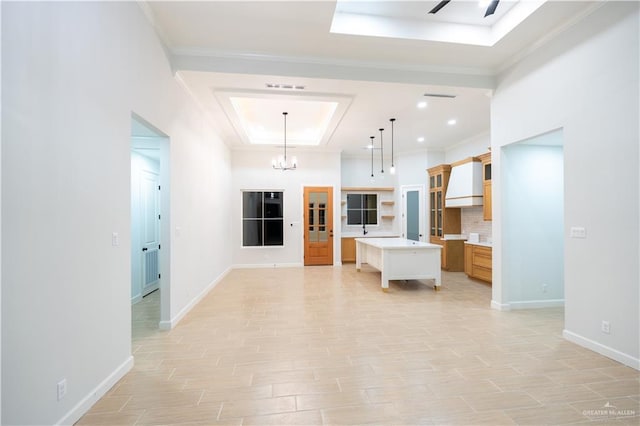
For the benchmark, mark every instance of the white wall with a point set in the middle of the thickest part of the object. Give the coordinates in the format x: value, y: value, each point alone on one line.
x: 533, y: 224
x: 356, y: 172
x: 201, y: 225
x: 585, y: 82
x: 471, y: 147
x: 251, y: 170
x: 411, y: 168
x: 73, y: 74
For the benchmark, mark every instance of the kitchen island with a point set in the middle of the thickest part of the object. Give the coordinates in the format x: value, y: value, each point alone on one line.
x: 400, y: 259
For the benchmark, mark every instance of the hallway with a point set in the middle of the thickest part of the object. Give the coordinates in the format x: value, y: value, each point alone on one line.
x: 324, y: 345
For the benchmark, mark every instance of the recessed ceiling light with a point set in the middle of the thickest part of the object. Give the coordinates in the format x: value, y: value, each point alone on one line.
x: 452, y: 122
x: 421, y: 139
x: 422, y: 104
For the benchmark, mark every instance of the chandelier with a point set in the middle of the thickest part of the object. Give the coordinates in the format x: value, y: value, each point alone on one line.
x: 281, y: 163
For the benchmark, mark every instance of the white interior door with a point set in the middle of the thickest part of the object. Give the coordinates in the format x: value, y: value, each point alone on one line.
x: 413, y: 212
x: 150, y: 230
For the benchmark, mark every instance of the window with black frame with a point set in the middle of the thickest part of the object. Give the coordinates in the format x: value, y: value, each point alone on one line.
x: 262, y: 218
x: 362, y: 209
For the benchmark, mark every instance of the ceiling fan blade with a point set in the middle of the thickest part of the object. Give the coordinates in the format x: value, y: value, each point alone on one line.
x: 439, y: 6
x: 492, y: 8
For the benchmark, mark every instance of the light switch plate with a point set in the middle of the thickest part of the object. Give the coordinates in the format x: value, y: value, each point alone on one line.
x: 62, y: 389
x: 578, y: 232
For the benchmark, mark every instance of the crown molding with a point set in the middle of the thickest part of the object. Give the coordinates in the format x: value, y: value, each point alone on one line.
x: 212, y: 60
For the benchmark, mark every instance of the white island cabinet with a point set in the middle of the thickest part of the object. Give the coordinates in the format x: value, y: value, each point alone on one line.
x: 400, y: 259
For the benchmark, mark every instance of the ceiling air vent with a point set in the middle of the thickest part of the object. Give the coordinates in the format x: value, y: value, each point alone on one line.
x: 285, y: 86
x: 439, y: 95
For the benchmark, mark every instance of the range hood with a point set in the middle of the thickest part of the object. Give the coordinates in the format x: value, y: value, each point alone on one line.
x: 465, y: 184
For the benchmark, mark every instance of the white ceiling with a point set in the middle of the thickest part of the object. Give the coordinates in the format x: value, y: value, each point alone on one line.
x: 372, y: 104
x: 233, y: 49
x: 461, y: 22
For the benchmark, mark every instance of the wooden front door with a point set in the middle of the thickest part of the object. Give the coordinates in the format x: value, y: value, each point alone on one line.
x: 318, y: 225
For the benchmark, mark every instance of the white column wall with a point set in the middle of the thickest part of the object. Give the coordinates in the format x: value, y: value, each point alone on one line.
x: 585, y: 82
x: 73, y: 74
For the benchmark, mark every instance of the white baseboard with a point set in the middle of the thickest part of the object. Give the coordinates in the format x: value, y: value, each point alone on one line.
x: 98, y: 392
x: 165, y: 325
x: 136, y: 299
x: 168, y: 325
x: 527, y: 304
x: 537, y: 304
x: 267, y: 265
x: 500, y: 306
x: 602, y: 349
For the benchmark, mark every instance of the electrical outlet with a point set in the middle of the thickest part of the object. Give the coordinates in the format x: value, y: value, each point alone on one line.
x: 544, y: 288
x: 62, y: 389
x: 606, y: 327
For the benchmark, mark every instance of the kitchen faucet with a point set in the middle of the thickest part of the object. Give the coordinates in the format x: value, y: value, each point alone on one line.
x: 364, y: 229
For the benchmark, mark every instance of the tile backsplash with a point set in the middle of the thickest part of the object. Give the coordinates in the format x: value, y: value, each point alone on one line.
x: 472, y: 221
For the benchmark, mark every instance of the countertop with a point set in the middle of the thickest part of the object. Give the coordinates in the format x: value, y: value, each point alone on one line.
x: 480, y: 243
x: 369, y: 235
x: 454, y: 237
x: 398, y: 243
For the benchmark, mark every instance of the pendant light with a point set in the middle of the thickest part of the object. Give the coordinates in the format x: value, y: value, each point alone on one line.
x: 392, y: 170
x: 381, y: 152
x: 281, y: 163
x: 372, y: 154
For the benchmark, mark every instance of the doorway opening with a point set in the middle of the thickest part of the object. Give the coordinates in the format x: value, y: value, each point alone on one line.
x: 413, y: 212
x: 149, y: 223
x: 533, y: 222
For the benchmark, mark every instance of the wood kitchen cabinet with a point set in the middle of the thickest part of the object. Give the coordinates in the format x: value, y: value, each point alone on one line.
x: 444, y: 220
x: 478, y: 262
x: 441, y: 220
x: 452, y: 255
x: 486, y: 186
x: 468, y: 259
x: 348, y: 245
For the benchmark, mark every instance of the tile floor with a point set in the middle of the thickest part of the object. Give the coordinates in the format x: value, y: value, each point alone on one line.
x: 324, y: 345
